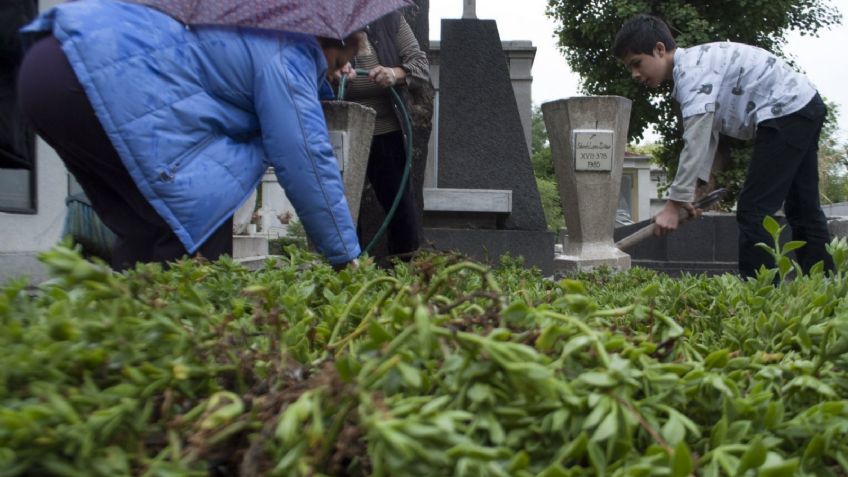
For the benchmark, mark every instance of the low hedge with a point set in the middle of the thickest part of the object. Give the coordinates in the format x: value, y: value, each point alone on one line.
x: 438, y: 367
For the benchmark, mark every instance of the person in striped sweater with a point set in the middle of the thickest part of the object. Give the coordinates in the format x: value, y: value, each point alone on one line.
x: 390, y: 53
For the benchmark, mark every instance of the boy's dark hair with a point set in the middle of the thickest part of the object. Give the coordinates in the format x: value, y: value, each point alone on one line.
x: 640, y: 34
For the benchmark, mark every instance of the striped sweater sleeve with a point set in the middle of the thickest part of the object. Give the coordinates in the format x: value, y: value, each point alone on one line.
x: 413, y: 60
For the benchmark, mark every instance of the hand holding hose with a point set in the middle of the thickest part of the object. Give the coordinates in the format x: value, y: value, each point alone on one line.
x: 347, y: 71
x: 386, y: 76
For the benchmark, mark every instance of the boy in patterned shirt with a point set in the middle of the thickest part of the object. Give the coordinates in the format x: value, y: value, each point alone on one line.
x: 748, y: 93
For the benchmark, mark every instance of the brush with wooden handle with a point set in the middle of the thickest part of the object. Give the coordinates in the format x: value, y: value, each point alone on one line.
x: 703, y: 203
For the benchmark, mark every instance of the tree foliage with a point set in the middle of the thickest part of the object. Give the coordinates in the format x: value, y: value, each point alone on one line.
x: 833, y: 161
x: 540, y: 148
x: 587, y: 28
x: 543, y: 168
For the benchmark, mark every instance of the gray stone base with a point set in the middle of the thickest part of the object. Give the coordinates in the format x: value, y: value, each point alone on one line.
x: 535, y: 247
x: 248, y: 246
x: 573, y: 263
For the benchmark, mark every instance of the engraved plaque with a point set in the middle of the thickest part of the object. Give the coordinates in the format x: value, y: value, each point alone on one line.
x: 593, y: 149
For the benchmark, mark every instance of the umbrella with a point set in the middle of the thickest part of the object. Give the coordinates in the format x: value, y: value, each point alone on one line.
x: 328, y: 18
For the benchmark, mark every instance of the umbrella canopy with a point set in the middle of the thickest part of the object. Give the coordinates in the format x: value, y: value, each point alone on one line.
x: 328, y: 18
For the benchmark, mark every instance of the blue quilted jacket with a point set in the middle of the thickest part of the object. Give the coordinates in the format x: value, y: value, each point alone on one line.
x: 197, y: 114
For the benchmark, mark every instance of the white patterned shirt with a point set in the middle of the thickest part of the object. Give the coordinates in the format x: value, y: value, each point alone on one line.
x: 727, y: 88
x: 742, y: 84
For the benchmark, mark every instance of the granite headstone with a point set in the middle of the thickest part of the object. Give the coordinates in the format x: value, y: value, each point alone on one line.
x: 481, y: 139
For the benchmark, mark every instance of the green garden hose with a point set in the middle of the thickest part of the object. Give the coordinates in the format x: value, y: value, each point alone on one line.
x: 408, y: 143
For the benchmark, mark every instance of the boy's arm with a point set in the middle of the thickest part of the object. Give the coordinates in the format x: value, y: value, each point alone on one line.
x: 700, y: 137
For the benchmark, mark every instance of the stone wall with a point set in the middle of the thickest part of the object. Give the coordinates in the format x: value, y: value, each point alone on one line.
x: 708, y: 245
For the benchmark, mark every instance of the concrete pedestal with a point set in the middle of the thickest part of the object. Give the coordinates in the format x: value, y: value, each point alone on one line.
x: 590, y: 258
x: 351, y: 127
x: 588, y: 136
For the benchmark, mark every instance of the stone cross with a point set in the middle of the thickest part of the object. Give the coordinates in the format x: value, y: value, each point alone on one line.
x: 469, y: 9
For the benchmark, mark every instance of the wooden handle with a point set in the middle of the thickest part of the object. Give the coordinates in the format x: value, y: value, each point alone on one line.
x: 636, y: 237
x: 647, y: 231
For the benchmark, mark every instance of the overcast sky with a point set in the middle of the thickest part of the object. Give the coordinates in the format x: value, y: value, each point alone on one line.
x: 822, y: 58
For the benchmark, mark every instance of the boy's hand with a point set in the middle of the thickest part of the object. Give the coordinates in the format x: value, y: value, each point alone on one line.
x: 670, y: 216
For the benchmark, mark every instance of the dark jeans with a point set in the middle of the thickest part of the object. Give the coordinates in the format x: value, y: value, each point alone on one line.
x: 784, y: 171
x: 57, y: 107
x: 385, y: 170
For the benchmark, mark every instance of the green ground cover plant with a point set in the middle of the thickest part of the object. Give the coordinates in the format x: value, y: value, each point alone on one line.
x: 440, y: 367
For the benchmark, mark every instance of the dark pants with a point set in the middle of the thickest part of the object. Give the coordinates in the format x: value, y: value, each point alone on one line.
x: 386, y: 163
x: 784, y: 171
x: 54, y: 102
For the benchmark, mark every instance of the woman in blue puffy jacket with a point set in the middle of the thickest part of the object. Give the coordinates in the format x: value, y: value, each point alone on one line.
x: 168, y: 129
